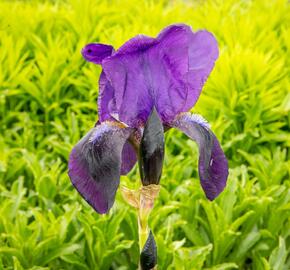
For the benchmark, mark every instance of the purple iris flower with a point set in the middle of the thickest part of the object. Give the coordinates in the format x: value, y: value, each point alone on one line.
x: 163, y: 76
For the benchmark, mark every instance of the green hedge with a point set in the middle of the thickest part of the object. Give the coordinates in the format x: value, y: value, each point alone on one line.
x: 48, y: 101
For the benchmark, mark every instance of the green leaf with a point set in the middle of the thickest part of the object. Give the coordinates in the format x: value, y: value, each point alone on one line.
x: 278, y: 256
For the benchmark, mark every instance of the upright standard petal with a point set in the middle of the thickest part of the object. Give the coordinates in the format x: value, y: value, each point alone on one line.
x: 96, y: 52
x: 125, y: 72
x: 95, y: 163
x: 212, y: 164
x: 106, y: 100
x: 167, y: 72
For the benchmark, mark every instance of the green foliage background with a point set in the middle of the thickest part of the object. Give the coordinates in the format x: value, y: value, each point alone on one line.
x: 48, y: 101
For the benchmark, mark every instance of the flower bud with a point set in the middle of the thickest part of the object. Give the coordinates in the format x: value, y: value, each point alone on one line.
x: 148, y: 257
x: 151, y: 151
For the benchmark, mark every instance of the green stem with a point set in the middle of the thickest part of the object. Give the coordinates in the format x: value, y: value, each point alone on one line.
x: 143, y: 201
x: 143, y: 226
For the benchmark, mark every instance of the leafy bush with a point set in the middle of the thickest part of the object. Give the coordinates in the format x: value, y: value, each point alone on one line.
x: 48, y: 101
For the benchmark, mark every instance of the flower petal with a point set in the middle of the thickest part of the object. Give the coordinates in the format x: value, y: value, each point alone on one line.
x: 96, y: 52
x: 126, y: 75
x: 95, y: 163
x: 191, y: 57
x: 212, y: 164
x: 167, y: 72
x: 129, y: 158
x: 136, y: 44
x: 106, y: 100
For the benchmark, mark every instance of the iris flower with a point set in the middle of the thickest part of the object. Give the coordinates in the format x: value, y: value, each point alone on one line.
x: 145, y: 79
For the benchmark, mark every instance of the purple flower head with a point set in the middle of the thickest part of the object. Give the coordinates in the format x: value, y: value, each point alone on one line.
x: 146, y: 86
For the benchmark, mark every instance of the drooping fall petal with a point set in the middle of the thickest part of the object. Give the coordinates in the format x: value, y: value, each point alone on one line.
x: 212, y: 164
x: 95, y: 164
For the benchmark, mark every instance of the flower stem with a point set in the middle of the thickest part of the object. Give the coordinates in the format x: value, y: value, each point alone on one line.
x: 143, y: 215
x: 142, y: 199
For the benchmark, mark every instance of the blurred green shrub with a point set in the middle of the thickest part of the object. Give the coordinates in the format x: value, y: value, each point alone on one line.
x: 48, y: 101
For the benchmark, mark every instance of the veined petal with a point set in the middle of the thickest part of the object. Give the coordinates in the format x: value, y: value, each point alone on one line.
x: 96, y: 52
x: 136, y: 44
x: 167, y: 72
x: 212, y: 164
x: 95, y: 163
x: 106, y: 100
x: 129, y: 158
x: 187, y: 59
